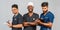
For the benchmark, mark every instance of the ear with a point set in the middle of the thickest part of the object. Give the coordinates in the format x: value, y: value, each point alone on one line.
x: 33, y: 7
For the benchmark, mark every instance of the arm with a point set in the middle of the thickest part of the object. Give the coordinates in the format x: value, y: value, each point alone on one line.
x: 49, y: 24
x: 34, y: 23
x: 29, y: 23
x: 50, y: 21
x: 26, y: 23
x: 20, y: 22
x: 17, y: 26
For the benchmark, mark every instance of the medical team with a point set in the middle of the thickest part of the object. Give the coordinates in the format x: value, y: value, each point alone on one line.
x: 31, y: 19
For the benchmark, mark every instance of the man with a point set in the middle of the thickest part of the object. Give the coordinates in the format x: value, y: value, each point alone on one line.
x: 17, y: 19
x: 46, y: 18
x: 30, y: 17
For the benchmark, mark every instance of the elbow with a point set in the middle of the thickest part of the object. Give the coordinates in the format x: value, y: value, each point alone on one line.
x: 50, y: 25
x: 20, y: 26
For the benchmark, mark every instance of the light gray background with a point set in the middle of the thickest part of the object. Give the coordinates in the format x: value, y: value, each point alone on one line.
x: 6, y: 14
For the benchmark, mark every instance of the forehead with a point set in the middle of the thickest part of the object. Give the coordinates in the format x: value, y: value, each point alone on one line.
x: 14, y: 8
x: 44, y: 6
x: 30, y: 6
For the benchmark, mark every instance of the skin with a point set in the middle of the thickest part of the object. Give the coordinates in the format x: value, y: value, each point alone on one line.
x: 14, y: 11
x: 30, y: 11
x: 49, y: 24
x: 30, y: 8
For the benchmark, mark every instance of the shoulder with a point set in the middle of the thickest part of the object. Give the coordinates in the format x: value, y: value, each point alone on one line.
x: 41, y: 14
x: 35, y: 14
x: 19, y: 15
x: 50, y: 13
x: 25, y: 14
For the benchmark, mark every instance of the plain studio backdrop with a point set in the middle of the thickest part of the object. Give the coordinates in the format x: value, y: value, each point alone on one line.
x: 6, y: 14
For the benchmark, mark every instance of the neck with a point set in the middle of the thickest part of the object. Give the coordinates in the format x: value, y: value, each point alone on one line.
x: 45, y: 12
x: 30, y: 14
x: 16, y: 13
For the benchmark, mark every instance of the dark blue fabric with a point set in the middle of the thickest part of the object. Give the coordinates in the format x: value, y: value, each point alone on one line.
x: 49, y: 17
x: 30, y: 19
x: 17, y: 20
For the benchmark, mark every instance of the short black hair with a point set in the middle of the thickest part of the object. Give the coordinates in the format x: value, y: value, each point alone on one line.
x: 15, y: 5
x: 44, y: 4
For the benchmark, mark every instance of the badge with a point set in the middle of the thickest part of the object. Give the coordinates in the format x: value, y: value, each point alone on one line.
x: 15, y: 18
x: 41, y: 18
x: 46, y: 17
x: 33, y: 18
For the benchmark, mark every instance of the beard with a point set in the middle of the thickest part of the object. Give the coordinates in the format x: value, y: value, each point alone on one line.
x: 30, y: 11
x: 45, y: 11
x: 15, y: 13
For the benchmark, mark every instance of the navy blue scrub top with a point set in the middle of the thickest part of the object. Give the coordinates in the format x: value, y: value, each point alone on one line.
x: 30, y: 19
x: 49, y: 17
x: 17, y: 20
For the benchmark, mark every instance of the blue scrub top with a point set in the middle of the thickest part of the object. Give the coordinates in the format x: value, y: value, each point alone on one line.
x: 49, y: 17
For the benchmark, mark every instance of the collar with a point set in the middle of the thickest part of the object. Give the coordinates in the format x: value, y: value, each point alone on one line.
x: 46, y: 13
x: 16, y: 14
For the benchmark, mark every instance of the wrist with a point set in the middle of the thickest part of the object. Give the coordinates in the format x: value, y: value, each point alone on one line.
x: 11, y: 26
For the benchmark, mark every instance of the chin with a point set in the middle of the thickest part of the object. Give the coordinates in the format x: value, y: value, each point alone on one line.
x: 30, y: 11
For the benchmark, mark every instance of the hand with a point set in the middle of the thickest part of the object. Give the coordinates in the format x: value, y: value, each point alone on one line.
x: 32, y: 23
x: 9, y: 24
x: 26, y: 24
x: 38, y: 21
